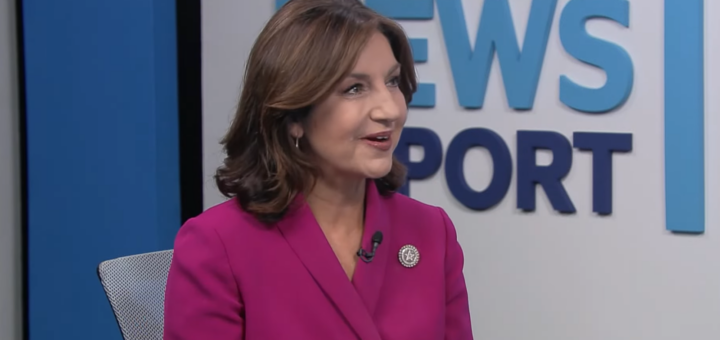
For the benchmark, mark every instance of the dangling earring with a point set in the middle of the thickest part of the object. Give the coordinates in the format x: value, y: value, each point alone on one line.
x: 297, y: 142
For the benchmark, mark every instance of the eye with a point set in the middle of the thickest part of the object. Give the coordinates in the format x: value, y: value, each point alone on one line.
x: 394, y: 82
x: 353, y: 89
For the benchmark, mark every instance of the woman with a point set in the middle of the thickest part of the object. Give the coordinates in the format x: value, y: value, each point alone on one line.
x: 314, y: 243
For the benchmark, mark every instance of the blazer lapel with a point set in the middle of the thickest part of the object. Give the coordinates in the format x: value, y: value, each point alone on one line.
x: 303, y: 234
x: 369, y: 277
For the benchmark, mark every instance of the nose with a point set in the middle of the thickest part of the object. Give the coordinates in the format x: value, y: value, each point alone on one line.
x: 385, y: 108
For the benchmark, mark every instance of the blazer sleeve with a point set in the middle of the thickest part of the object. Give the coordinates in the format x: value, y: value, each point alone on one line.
x: 202, y: 299
x: 457, y: 311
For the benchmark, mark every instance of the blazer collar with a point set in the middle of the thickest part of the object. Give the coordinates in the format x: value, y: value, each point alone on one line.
x: 369, y: 277
x: 356, y: 301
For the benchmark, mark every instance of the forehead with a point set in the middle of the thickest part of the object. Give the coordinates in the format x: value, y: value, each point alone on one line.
x: 377, y: 55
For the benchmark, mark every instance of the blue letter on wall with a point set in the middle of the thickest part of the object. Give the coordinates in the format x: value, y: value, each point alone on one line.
x: 520, y: 70
x: 502, y: 168
x: 403, y: 9
x: 602, y: 146
x: 549, y: 177
x: 610, y: 57
x: 432, y: 149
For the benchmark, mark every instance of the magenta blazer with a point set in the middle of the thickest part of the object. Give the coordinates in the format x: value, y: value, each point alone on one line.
x: 234, y: 278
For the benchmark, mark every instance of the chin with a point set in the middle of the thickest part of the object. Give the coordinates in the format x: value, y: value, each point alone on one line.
x: 378, y: 168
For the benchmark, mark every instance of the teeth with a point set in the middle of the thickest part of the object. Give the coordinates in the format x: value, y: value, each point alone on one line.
x: 382, y: 138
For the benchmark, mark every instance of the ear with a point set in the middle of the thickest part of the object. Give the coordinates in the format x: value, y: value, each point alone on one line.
x: 296, y: 130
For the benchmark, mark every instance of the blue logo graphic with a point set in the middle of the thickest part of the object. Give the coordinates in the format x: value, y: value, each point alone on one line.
x: 521, y: 67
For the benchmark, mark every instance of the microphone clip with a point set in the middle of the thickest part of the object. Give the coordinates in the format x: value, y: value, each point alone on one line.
x: 367, y: 257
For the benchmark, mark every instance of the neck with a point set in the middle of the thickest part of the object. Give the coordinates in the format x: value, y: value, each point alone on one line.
x: 338, y: 206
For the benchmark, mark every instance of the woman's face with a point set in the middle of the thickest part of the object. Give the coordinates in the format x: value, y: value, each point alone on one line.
x: 355, y: 130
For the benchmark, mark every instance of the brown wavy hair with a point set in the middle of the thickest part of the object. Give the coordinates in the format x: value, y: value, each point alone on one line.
x: 303, y: 52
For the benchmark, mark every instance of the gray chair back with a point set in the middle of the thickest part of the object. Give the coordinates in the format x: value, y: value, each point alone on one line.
x: 135, y: 287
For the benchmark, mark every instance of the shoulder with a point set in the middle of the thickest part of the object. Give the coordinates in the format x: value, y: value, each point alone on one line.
x: 224, y: 221
x: 419, y: 216
x: 401, y: 205
x: 224, y: 215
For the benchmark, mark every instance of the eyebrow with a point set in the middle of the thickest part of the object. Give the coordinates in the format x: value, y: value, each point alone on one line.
x: 366, y: 77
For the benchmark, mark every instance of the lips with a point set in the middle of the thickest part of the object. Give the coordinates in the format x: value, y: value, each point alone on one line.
x: 379, y: 137
x: 380, y: 140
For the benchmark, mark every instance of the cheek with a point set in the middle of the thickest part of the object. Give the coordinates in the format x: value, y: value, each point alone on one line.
x: 333, y: 128
x: 402, y: 117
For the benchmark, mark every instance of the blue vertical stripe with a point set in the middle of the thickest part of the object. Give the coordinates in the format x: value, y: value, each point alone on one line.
x: 684, y: 110
x: 102, y: 152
